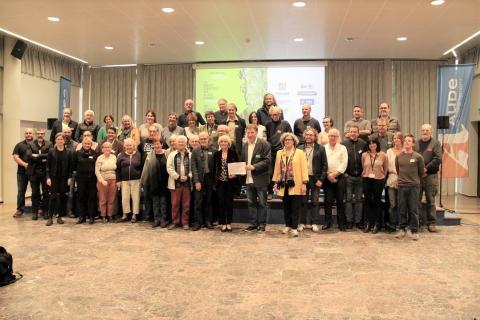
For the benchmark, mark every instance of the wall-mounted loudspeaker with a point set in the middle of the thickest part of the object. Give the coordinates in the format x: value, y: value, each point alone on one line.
x: 50, y: 122
x: 443, y: 122
x: 19, y: 49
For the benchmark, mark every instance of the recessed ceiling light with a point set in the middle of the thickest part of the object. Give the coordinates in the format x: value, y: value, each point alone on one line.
x: 402, y: 39
x: 53, y: 19
x: 298, y: 39
x: 349, y: 39
x: 108, y: 47
x: 437, y: 2
x: 200, y: 43
x: 299, y: 4
x: 168, y: 10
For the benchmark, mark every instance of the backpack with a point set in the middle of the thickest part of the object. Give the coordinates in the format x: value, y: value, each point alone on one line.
x: 6, y: 268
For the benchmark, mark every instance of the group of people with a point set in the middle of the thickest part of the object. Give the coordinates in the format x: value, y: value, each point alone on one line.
x: 175, y: 175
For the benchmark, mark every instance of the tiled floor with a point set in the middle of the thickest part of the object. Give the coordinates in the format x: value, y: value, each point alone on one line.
x: 125, y: 271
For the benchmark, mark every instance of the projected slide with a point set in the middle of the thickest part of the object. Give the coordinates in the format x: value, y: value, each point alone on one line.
x: 291, y: 86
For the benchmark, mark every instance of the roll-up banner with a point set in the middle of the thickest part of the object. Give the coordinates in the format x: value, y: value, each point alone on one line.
x: 454, y: 89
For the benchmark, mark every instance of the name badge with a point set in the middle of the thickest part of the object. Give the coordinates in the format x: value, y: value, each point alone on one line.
x: 371, y: 175
x: 90, y: 157
x: 209, y: 152
x: 359, y: 151
x: 279, y: 131
x: 236, y: 126
x: 257, y: 156
x: 412, y: 160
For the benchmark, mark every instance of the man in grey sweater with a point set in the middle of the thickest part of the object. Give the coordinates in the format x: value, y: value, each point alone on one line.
x: 410, y: 168
x: 431, y: 151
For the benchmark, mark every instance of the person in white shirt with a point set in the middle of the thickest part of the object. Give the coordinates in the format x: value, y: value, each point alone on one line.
x: 337, y: 159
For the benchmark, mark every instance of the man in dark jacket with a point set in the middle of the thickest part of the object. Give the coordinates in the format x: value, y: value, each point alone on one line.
x: 257, y: 156
x: 202, y: 176
x: 264, y: 112
x: 317, y: 171
x: 431, y: 151
x: 88, y: 124
x: 38, y: 178
x: 236, y: 127
x: 63, y: 123
x: 21, y: 154
x: 353, y: 174
x: 275, y: 129
x: 188, y: 108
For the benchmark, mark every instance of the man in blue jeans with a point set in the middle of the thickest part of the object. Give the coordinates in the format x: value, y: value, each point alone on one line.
x: 21, y: 154
x: 257, y: 156
x: 410, y: 168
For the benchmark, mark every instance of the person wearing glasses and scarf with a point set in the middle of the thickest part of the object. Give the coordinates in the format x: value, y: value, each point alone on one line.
x: 290, y: 176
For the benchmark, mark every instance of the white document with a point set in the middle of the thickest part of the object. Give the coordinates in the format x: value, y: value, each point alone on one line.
x: 237, y: 168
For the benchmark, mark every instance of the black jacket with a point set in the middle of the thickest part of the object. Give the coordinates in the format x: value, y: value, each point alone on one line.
x: 431, y: 152
x: 57, y: 127
x: 319, y: 162
x: 129, y: 167
x: 38, y: 165
x: 355, y: 150
x: 275, y: 131
x: 217, y: 166
x: 261, y: 160
x: 198, y: 163
x: 53, y: 162
x: 240, y: 126
x: 182, y: 119
x: 84, y: 164
x: 82, y: 127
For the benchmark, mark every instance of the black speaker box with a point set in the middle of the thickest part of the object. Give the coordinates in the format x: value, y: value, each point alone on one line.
x: 443, y: 122
x: 50, y: 122
x: 19, y: 49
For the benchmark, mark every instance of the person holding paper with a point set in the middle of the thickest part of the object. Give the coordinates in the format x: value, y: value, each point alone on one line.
x: 290, y: 176
x: 257, y: 155
x: 225, y: 184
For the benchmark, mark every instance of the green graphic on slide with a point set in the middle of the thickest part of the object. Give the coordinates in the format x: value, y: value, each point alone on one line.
x: 243, y: 86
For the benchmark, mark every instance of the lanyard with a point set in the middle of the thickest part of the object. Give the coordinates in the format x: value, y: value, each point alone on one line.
x: 308, y: 154
x: 372, y: 163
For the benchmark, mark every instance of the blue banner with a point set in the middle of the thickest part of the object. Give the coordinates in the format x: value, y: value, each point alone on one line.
x: 65, y: 91
x: 454, y: 90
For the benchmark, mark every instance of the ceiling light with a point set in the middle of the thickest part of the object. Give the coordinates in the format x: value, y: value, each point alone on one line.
x: 298, y: 39
x: 299, y: 4
x: 463, y: 42
x: 349, y: 39
x: 402, y: 39
x: 168, y: 10
x: 53, y: 19
x: 199, y: 43
x: 437, y: 2
x: 108, y: 47
x: 16, y: 35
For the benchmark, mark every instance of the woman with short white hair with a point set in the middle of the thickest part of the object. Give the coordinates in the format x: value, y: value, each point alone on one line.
x: 129, y: 172
x: 225, y: 183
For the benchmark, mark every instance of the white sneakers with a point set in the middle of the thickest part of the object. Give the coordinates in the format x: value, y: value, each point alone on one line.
x: 294, y: 233
x: 315, y: 228
x: 300, y: 227
x: 286, y: 230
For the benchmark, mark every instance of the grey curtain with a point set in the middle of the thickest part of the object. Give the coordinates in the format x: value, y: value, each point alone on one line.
x: 414, y: 92
x: 112, y: 91
x: 41, y: 63
x: 350, y: 83
x: 163, y: 89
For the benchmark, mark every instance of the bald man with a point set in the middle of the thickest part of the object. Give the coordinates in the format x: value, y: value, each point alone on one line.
x: 188, y: 108
x: 431, y: 151
x: 21, y: 155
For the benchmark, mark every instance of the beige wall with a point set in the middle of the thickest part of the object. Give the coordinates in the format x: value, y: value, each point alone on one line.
x: 38, y: 101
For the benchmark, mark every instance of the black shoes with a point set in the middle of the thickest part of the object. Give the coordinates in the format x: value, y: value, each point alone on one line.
x: 49, y: 222
x: 367, y: 229
x: 81, y: 220
x: 91, y: 221
x: 376, y: 228
x: 251, y: 228
x: 156, y: 224
x: 196, y: 228
x: 326, y: 226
